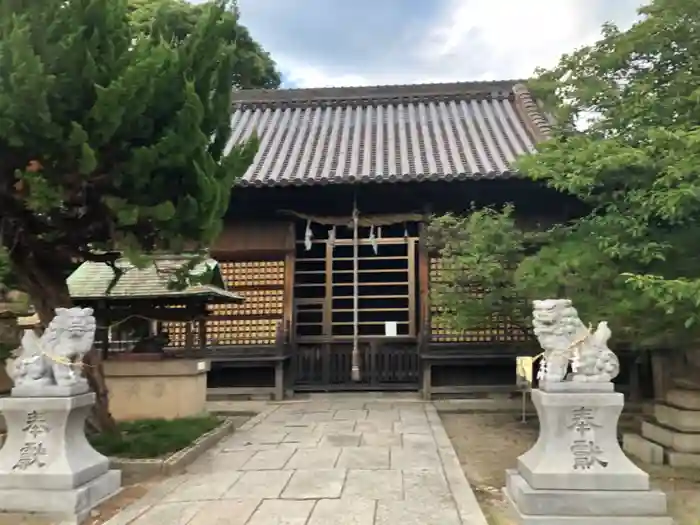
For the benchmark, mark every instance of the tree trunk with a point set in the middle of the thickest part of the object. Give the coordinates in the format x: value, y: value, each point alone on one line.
x: 47, y: 290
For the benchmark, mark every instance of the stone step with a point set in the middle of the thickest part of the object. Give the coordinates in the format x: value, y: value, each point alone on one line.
x: 682, y: 459
x: 590, y: 503
x: 670, y: 438
x: 643, y: 449
x: 652, y: 453
x: 677, y: 418
x: 684, y: 399
x: 530, y: 519
x: 687, y: 383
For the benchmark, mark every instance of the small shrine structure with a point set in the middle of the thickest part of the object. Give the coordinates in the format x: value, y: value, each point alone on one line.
x: 152, y: 333
x: 140, y: 310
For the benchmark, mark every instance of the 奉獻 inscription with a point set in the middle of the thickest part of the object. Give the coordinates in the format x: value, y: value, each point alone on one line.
x: 586, y: 452
x: 582, y: 421
x: 31, y: 454
x: 33, y: 451
x: 36, y: 424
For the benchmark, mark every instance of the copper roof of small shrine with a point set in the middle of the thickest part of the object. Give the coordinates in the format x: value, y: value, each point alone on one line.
x: 466, y: 130
x: 92, y: 280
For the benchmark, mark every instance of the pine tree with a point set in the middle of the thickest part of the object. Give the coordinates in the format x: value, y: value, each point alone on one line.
x: 113, y: 134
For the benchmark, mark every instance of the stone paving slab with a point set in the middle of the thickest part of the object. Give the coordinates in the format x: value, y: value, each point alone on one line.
x: 340, y: 461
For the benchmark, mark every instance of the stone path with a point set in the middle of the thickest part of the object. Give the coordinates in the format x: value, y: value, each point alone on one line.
x: 347, y: 462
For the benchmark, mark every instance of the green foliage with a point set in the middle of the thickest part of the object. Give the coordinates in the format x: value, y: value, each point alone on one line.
x: 6, y: 350
x: 636, y: 162
x: 153, y: 438
x: 479, y: 254
x: 114, y: 124
x: 4, y: 268
x: 174, y: 20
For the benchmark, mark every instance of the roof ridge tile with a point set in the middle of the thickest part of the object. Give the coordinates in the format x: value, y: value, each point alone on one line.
x: 381, y: 92
x: 475, y: 129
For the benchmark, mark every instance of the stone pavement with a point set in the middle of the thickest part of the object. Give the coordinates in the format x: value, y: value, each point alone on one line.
x: 340, y: 462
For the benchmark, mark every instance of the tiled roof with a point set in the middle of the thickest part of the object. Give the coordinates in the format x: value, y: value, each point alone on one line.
x: 453, y: 131
x: 91, y: 280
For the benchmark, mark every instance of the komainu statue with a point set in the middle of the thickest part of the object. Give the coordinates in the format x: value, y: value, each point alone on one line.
x: 565, y: 339
x: 55, y: 358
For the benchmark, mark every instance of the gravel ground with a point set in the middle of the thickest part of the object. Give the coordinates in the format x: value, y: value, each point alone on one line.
x: 488, y: 444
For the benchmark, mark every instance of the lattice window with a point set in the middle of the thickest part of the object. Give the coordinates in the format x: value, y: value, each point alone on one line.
x: 175, y: 330
x: 254, y: 322
x: 257, y: 303
x: 241, y: 332
x: 497, y: 328
x: 253, y: 273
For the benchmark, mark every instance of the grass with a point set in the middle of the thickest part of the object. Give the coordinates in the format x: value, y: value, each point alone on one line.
x: 153, y: 438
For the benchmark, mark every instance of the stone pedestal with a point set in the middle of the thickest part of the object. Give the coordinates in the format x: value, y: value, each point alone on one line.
x: 577, y: 474
x: 672, y: 434
x: 161, y: 389
x: 47, y: 466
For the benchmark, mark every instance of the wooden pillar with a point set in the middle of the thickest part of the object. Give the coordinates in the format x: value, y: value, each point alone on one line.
x: 289, y: 261
x: 423, y: 283
x: 189, y: 340
x: 424, y: 325
x: 104, y: 336
x: 328, y: 292
x: 412, y: 328
x: 635, y: 394
x: 661, y: 374
x: 202, y: 333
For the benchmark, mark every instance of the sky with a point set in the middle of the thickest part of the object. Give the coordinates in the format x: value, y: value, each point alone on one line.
x: 321, y: 43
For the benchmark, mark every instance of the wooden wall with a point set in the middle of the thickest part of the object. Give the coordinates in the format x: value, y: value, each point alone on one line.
x: 256, y: 259
x: 243, y: 240
x: 496, y: 329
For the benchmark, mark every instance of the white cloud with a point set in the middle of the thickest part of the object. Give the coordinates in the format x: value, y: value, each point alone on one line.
x: 452, y: 40
x: 306, y: 76
x: 517, y: 36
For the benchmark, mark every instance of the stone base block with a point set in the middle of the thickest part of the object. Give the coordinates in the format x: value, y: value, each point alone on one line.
x: 46, y: 448
x: 578, y: 448
x: 670, y: 438
x: 685, y: 399
x: 583, y: 507
x: 647, y: 451
x: 163, y: 389
x: 677, y: 418
x: 528, y: 519
x: 583, y: 502
x: 577, y: 387
x: 72, y: 505
x: 683, y: 460
x: 50, y: 390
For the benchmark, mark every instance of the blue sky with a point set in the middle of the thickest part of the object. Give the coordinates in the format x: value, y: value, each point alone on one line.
x: 319, y: 43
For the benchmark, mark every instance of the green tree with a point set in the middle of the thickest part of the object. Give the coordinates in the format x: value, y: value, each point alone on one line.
x: 113, y: 138
x: 626, y: 142
x: 4, y: 269
x: 174, y: 20
x: 480, y: 254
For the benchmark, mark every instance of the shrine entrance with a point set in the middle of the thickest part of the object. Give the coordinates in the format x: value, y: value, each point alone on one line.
x: 355, y: 303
